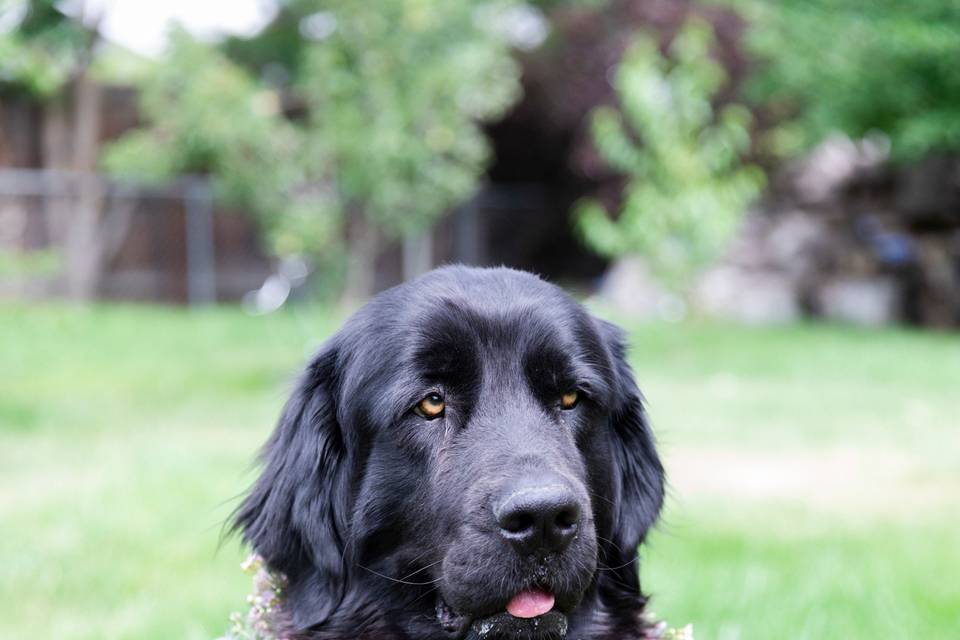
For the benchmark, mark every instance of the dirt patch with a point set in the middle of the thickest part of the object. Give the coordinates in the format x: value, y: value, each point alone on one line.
x: 847, y: 479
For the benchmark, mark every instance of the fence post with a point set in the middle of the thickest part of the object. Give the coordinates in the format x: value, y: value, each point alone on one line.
x: 201, y: 264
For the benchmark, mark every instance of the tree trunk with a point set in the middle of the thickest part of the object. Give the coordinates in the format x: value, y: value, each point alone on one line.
x: 83, y: 251
x: 56, y: 156
x: 417, y: 254
x: 75, y: 210
x: 363, y: 241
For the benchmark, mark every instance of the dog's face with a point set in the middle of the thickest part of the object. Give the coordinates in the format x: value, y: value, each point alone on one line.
x: 468, y: 455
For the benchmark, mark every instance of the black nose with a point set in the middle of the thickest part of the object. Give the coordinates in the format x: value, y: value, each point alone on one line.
x: 539, y: 517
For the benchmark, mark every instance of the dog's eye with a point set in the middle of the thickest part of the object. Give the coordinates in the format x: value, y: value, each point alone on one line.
x: 569, y: 400
x: 430, y: 407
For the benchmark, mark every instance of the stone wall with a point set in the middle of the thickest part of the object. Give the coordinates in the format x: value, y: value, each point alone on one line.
x: 845, y: 235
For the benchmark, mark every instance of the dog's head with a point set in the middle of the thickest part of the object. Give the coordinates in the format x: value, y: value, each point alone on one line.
x: 469, y: 454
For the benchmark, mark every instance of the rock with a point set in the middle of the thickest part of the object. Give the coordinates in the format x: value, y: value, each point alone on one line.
x: 762, y: 278
x: 629, y: 288
x: 863, y: 301
x: 794, y: 243
x: 928, y: 193
x: 756, y: 297
x: 833, y: 164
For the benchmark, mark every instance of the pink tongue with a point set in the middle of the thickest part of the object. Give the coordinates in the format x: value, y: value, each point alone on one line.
x: 530, y: 604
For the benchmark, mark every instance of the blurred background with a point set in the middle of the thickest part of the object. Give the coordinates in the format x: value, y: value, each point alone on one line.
x: 193, y: 195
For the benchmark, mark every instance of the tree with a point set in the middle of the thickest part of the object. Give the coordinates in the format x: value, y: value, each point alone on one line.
x: 396, y: 91
x: 860, y: 68
x: 47, y: 56
x: 686, y: 185
x: 208, y: 115
x: 388, y: 101
x: 40, y: 47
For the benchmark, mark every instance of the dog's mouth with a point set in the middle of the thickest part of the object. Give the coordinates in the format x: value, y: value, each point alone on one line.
x: 529, y: 615
x: 531, y: 603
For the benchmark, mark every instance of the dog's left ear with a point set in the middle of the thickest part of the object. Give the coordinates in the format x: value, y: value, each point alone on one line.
x: 296, y: 514
x: 638, y: 478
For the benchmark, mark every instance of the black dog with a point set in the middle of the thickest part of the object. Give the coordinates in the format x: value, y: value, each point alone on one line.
x: 468, y: 457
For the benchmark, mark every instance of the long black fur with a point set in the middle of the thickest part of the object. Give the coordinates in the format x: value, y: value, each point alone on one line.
x: 375, y: 515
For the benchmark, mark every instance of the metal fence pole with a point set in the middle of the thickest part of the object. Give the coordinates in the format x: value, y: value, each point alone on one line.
x: 201, y: 264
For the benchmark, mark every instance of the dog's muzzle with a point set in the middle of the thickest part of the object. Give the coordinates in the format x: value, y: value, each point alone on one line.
x: 503, y: 626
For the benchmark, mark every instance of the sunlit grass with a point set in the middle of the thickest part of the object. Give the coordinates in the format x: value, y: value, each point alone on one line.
x: 815, y: 472
x: 816, y: 480
x: 125, y: 432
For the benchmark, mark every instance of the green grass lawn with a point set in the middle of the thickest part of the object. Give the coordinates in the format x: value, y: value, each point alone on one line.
x: 815, y: 472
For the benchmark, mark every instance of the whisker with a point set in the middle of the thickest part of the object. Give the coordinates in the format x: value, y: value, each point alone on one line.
x: 426, y: 593
x: 413, y: 573
x: 604, y: 498
x: 398, y: 580
x: 602, y: 567
x: 417, y: 557
x: 610, y: 542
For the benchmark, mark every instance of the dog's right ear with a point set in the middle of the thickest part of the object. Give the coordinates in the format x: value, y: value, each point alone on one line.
x: 637, y: 481
x: 295, y: 516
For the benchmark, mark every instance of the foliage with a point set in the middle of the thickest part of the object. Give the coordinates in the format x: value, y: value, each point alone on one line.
x: 686, y: 184
x: 207, y: 115
x: 859, y: 67
x: 387, y: 97
x: 39, y: 47
x: 265, y: 603
x: 396, y: 91
x: 33, y: 263
x: 263, y: 618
